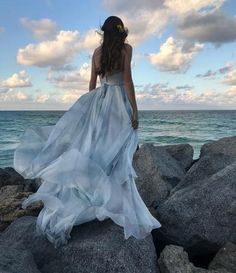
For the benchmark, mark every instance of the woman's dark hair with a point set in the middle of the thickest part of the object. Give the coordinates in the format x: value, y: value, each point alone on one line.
x: 114, y: 35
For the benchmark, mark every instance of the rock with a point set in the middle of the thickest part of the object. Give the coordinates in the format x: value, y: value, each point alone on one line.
x: 225, y: 259
x: 15, y: 258
x: 153, y: 182
x: 11, y: 198
x: 183, y: 153
x: 153, y: 190
x: 225, y: 145
x: 174, y: 259
x: 157, y: 172
x: 202, y: 216
x: 8, y: 176
x: 95, y: 246
x: 151, y: 187
x: 206, y: 166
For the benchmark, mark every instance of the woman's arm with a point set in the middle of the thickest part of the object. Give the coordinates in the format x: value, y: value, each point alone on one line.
x: 93, y: 77
x: 129, y: 86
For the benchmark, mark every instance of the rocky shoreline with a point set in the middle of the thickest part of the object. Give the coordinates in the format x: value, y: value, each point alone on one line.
x: 194, y: 200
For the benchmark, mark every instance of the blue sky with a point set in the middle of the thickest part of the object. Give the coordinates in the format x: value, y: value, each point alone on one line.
x: 183, y: 52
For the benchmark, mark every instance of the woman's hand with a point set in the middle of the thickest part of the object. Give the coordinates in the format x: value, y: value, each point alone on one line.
x: 135, y: 122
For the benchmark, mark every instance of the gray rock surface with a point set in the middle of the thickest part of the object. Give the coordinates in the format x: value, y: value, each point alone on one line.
x: 157, y: 172
x: 15, y: 258
x: 156, y: 158
x: 174, y: 259
x: 8, y: 176
x: 183, y: 153
x: 202, y: 216
x: 225, y: 259
x: 11, y: 198
x: 95, y: 246
x: 225, y: 145
x: 206, y: 166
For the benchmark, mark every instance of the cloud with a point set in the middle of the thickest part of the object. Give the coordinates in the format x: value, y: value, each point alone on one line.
x: 147, y: 18
x: 180, y: 7
x: 72, y: 83
x: 185, y: 87
x: 59, y: 51
x: 175, y: 55
x: 90, y: 39
x: 13, y: 96
x: 207, y: 74
x: 221, y: 71
x: 213, y: 26
x: 230, y: 78
x: 231, y: 93
x: 41, y: 29
x: 42, y: 98
x: 56, y: 53
x: 66, y: 67
x: 2, y: 29
x: 157, y: 95
x: 20, y: 79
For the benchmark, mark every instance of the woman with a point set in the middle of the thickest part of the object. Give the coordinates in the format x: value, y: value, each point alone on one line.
x: 85, y: 160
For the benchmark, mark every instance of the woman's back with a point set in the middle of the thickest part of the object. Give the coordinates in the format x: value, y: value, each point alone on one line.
x: 97, y: 59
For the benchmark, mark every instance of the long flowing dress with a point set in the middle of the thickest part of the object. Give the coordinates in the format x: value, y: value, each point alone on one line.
x: 85, y: 164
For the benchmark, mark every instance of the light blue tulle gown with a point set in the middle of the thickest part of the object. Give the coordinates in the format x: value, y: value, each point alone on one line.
x: 85, y: 165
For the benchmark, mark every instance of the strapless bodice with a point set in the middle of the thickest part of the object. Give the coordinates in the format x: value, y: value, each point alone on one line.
x: 114, y: 79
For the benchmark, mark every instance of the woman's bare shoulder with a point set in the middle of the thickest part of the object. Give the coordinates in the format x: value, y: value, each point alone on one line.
x: 128, y: 48
x: 128, y: 45
x: 97, y: 50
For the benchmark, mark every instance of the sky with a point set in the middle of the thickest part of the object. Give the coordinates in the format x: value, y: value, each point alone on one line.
x: 184, y: 52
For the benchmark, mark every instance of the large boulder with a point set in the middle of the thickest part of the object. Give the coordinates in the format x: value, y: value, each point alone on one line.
x: 11, y: 198
x: 225, y: 145
x: 225, y: 259
x: 157, y: 173
x: 202, y: 216
x: 183, y: 153
x: 8, y: 176
x: 173, y: 259
x: 15, y: 258
x: 95, y: 246
x: 206, y: 166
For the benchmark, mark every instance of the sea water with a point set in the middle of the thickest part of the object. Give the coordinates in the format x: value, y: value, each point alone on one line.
x: 160, y: 127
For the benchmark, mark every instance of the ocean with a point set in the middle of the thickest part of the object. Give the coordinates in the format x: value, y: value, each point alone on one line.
x: 160, y: 127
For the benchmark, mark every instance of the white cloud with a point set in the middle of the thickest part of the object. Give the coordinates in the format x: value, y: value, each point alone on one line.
x: 13, y: 96
x: 231, y: 93
x: 20, y: 79
x: 179, y: 6
x: 175, y: 55
x: 72, y: 83
x: 143, y: 18
x: 230, y: 78
x: 42, y: 98
x: 90, y: 39
x: 41, y: 29
x: 57, y: 52
x: 71, y: 79
x: 162, y: 96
